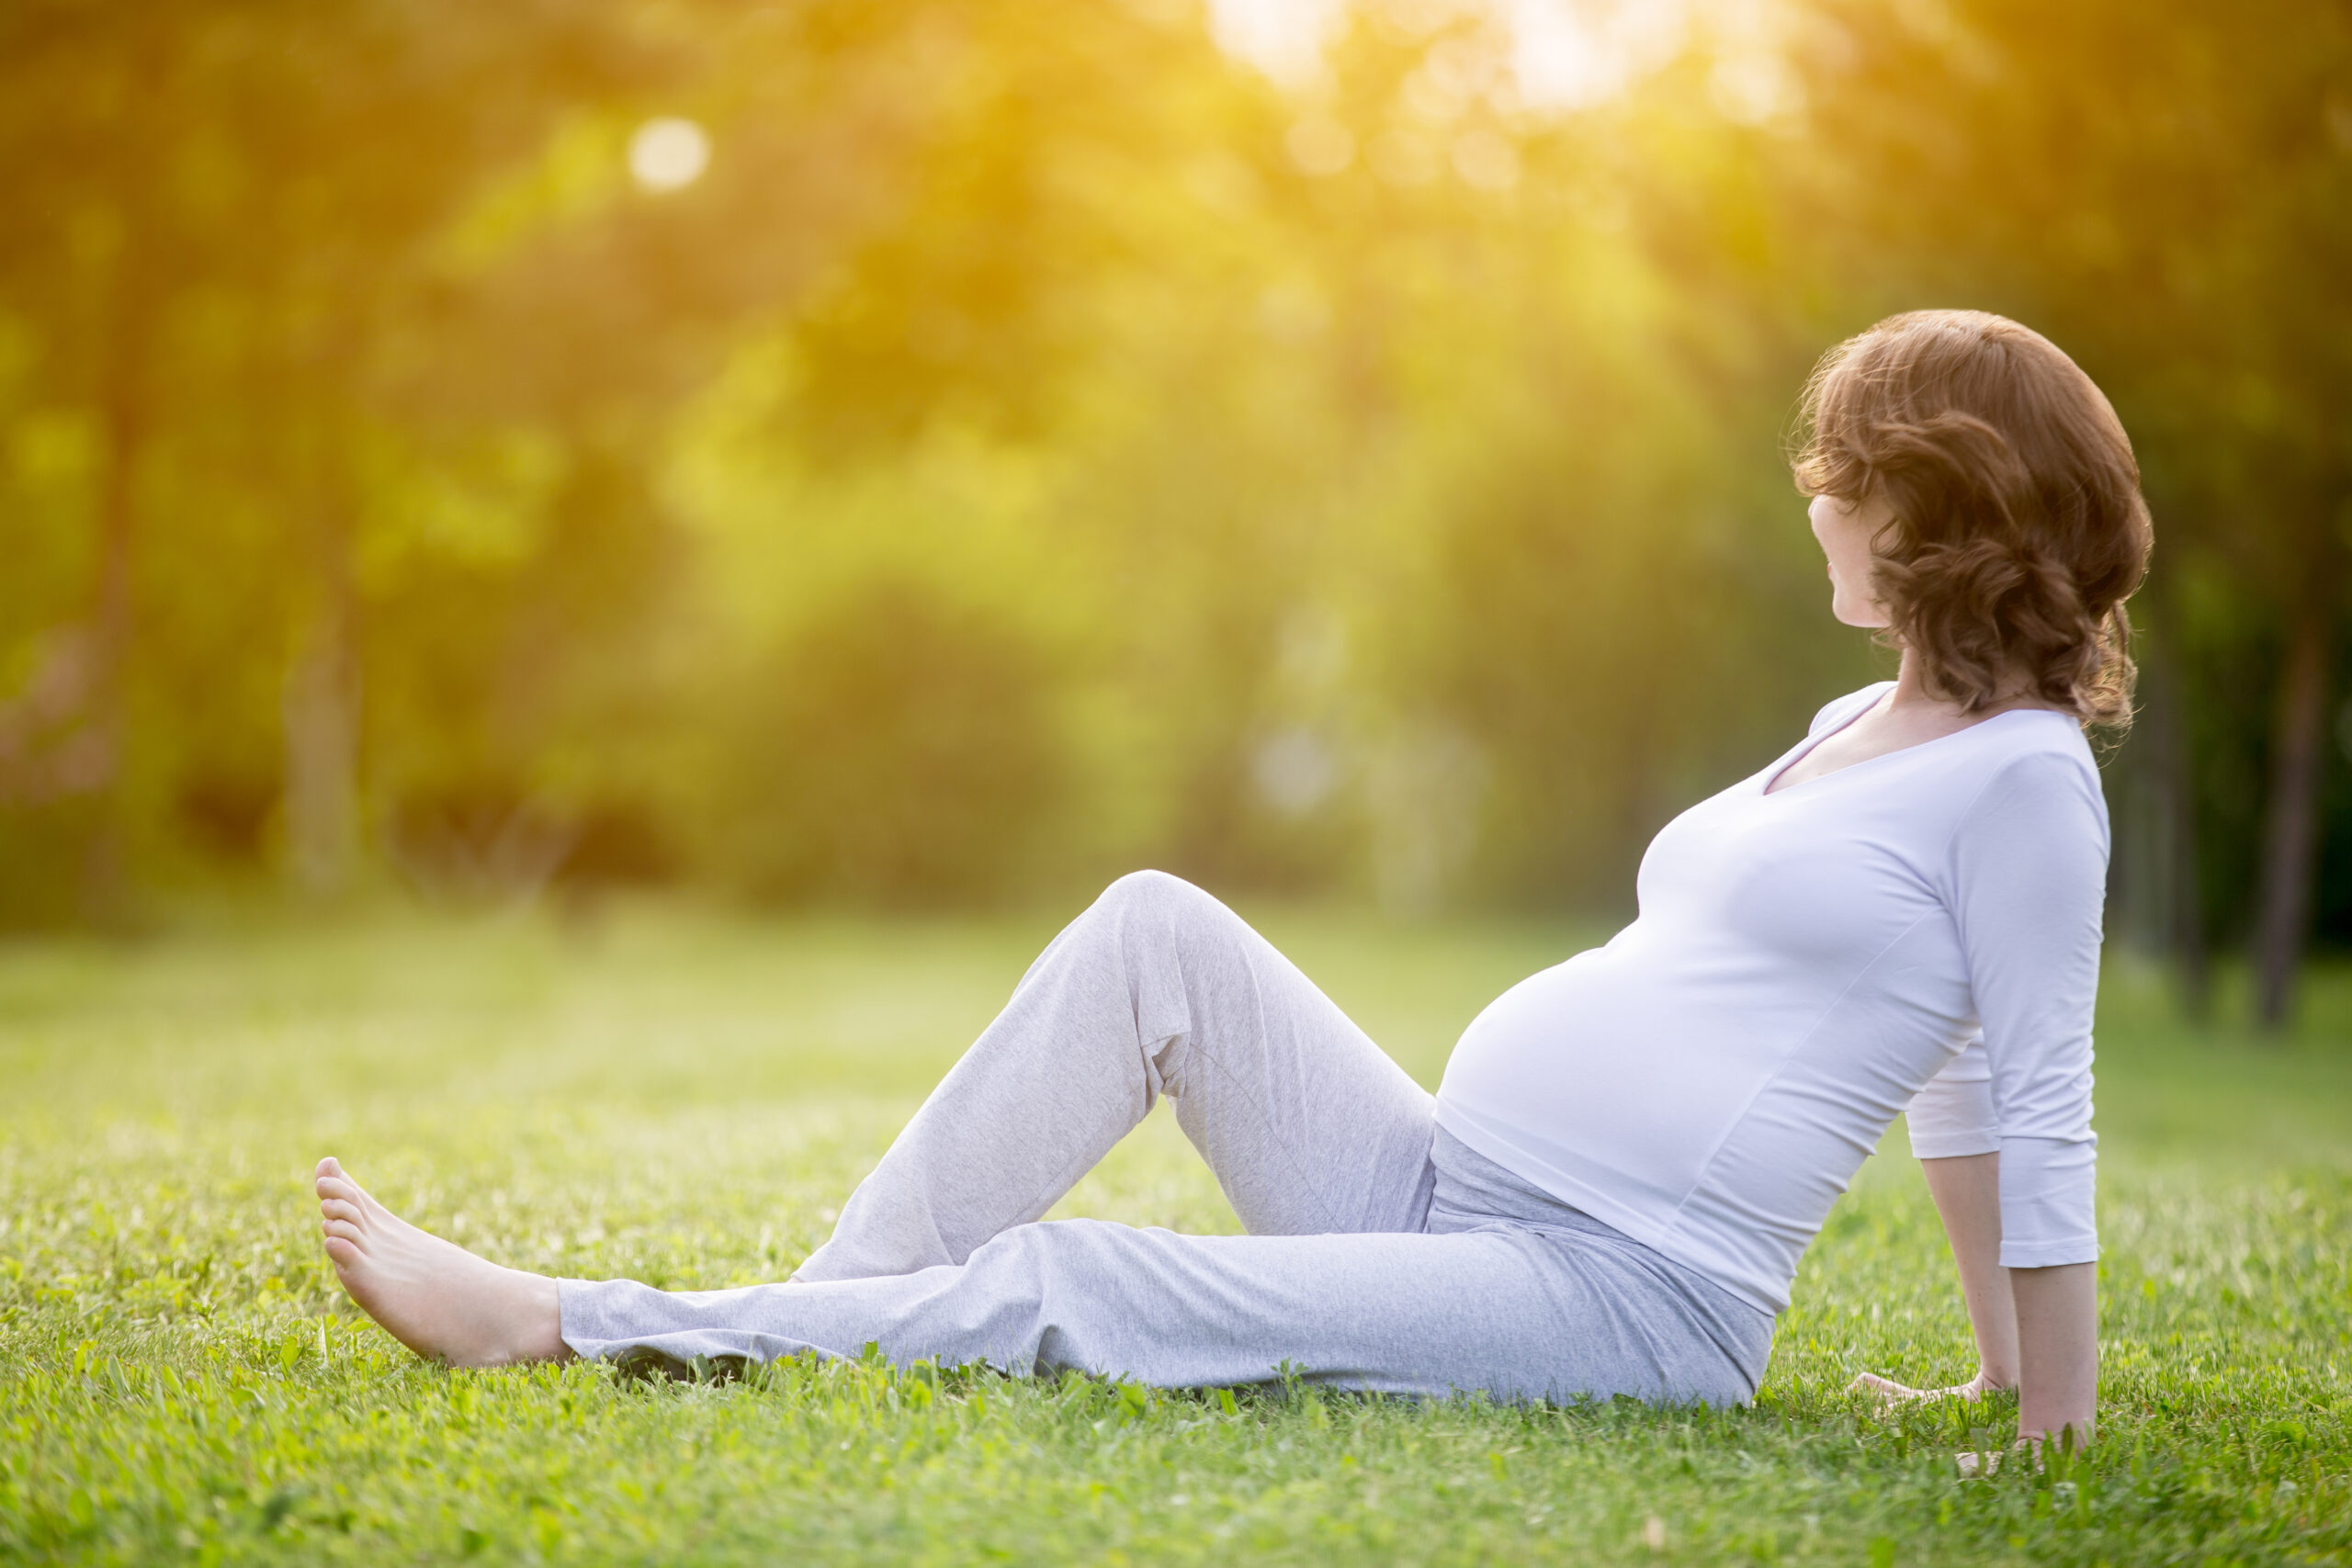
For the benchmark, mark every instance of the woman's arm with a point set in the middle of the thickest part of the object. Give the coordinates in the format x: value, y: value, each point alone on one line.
x: 2027, y: 888
x: 2037, y: 1329
x: 2057, y: 1314
x: 1967, y: 1191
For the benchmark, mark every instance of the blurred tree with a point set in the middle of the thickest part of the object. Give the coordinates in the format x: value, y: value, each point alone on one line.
x: 220, y: 217
x: 1036, y: 444
x: 86, y: 263
x: 902, y: 753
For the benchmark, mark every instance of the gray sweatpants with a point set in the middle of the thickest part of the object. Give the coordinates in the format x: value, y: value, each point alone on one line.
x: 1382, y: 1253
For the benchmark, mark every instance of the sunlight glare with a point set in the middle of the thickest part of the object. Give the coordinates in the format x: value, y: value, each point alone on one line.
x: 668, y: 153
x: 1566, y: 56
x: 1562, y: 54
x: 1282, y: 38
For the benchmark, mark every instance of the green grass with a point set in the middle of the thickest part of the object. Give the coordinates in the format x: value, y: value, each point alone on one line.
x: 687, y: 1101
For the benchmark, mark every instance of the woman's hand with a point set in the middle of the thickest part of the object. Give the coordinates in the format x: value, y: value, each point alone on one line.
x: 1890, y: 1393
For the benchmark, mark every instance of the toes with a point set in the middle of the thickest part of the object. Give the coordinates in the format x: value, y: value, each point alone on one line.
x: 342, y: 1209
x: 349, y: 1191
x: 334, y: 1189
x: 342, y: 1252
x: 334, y: 1184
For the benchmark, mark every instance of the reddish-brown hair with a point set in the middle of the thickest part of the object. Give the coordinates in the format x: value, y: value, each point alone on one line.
x: 2018, y: 526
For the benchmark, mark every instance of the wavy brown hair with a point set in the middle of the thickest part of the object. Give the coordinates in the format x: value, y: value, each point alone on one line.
x: 2018, y: 526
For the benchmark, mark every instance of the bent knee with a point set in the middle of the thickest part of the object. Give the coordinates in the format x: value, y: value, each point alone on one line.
x: 1156, y: 890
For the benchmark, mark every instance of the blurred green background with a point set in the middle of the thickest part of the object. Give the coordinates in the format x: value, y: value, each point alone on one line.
x: 914, y: 455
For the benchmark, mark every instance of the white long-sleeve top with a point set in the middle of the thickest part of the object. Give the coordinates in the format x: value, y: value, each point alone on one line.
x: 1919, y: 929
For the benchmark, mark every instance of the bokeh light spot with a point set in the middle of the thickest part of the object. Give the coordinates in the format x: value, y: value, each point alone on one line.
x: 1320, y: 146
x: 1402, y: 158
x: 668, y: 153
x: 1485, y: 160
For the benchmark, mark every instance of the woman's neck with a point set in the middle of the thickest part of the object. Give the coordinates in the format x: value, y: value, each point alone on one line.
x: 1913, y: 699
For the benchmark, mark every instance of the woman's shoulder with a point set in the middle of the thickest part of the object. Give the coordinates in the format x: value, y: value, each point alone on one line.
x: 2038, y: 741
x: 2033, y: 765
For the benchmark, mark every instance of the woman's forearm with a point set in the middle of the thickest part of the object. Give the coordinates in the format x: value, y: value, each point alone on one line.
x: 2037, y: 1329
x: 2057, y: 1324
x: 1967, y: 1191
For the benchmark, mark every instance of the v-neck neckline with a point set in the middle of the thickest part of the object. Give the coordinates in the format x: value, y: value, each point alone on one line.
x: 1812, y: 744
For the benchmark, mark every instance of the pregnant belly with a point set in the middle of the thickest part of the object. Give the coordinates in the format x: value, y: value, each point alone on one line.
x: 1612, y: 1071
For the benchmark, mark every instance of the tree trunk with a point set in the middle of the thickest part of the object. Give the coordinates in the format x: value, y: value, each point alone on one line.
x: 2291, y: 835
x: 320, y: 712
x: 123, y: 412
x: 2169, y: 902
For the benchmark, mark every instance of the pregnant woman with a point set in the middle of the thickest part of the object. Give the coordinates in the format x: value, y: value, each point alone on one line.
x: 1630, y: 1152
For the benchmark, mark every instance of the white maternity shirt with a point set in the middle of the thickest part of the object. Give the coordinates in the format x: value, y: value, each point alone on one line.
x: 1920, y: 929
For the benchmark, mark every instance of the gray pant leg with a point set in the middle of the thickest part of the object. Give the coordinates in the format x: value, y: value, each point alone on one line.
x: 1307, y: 1126
x: 1309, y: 1130
x: 1509, y: 1311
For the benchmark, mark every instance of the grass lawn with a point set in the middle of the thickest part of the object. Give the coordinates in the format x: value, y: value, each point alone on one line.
x: 687, y: 1101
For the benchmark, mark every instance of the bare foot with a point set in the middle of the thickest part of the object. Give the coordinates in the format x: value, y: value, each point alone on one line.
x: 434, y: 1296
